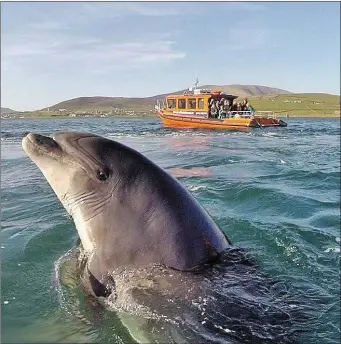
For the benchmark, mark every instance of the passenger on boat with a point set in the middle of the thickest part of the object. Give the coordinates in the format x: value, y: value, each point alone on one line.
x: 239, y: 107
x: 225, y: 103
x: 209, y: 107
x: 222, y: 113
x: 214, y: 110
x: 250, y: 109
x: 219, y: 106
x: 232, y: 110
x: 225, y: 108
x: 244, y: 108
x: 247, y: 108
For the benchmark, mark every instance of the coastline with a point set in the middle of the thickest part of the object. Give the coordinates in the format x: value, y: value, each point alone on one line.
x: 150, y: 116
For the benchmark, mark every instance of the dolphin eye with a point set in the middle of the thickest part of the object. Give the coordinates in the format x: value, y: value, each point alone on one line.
x: 102, y: 175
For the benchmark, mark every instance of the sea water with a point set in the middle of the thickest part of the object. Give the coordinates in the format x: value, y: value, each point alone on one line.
x: 275, y: 192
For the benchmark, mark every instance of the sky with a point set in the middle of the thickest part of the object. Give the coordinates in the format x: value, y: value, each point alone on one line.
x: 54, y: 51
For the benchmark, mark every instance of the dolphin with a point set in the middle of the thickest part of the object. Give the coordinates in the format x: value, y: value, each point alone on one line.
x: 144, y: 237
x: 127, y: 210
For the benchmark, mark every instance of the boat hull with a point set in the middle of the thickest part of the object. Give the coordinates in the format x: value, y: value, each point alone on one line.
x: 173, y: 120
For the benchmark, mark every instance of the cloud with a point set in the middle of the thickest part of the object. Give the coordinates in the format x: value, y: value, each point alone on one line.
x: 122, y: 9
x: 41, y: 51
x: 151, y: 11
x: 243, y: 37
x: 244, y: 6
x: 47, y: 25
x: 79, y: 38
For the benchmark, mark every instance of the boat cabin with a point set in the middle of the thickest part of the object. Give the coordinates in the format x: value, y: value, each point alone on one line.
x: 195, y: 101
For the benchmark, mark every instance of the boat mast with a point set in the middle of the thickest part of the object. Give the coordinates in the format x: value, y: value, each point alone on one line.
x: 196, y: 83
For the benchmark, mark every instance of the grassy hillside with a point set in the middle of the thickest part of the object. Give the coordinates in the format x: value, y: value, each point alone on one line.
x: 105, y: 104
x: 238, y: 90
x: 298, y: 104
x: 262, y: 98
x: 147, y: 104
x: 293, y: 104
x: 247, y: 90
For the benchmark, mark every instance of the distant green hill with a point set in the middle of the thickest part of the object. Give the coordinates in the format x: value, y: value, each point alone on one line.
x: 238, y: 90
x: 147, y: 104
x: 298, y: 104
x: 104, y: 104
x: 262, y: 98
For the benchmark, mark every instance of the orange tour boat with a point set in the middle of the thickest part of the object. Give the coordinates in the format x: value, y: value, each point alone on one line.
x: 212, y: 109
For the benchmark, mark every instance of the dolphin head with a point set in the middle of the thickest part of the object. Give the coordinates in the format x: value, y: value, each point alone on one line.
x: 127, y: 210
x: 83, y: 170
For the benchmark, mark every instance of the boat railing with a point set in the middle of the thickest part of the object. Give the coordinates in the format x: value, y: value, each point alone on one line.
x: 160, y: 104
x: 243, y: 114
x: 265, y: 114
x: 247, y: 114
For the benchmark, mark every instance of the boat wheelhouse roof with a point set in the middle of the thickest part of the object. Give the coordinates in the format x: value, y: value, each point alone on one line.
x: 199, y: 92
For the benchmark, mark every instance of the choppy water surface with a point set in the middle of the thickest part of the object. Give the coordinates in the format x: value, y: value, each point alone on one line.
x: 275, y: 192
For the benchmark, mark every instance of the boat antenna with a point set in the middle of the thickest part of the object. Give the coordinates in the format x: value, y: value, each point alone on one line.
x: 196, y: 82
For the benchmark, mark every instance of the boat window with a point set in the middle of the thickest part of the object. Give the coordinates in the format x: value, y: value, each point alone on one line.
x: 182, y: 103
x: 192, y: 103
x: 171, y: 103
x: 200, y: 103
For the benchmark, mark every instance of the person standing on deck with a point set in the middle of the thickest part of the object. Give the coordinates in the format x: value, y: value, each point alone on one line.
x: 214, y: 109
x: 210, y: 104
x: 250, y: 109
x: 226, y: 107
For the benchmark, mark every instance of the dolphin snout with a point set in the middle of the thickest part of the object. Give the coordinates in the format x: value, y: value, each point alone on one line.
x: 24, y: 134
x: 42, y: 140
x: 37, y: 140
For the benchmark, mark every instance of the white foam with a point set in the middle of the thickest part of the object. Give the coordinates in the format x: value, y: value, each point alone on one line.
x: 196, y: 187
x: 224, y: 329
x: 270, y: 134
x: 332, y: 249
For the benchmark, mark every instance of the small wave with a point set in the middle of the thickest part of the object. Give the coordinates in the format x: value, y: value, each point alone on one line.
x: 10, y: 134
x: 154, y: 133
x: 270, y: 134
x: 196, y: 187
x: 334, y: 249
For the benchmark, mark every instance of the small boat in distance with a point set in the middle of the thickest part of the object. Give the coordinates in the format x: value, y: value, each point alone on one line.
x: 211, y: 109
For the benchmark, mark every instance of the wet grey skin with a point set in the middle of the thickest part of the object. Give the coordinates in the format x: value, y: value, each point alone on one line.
x: 128, y: 211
